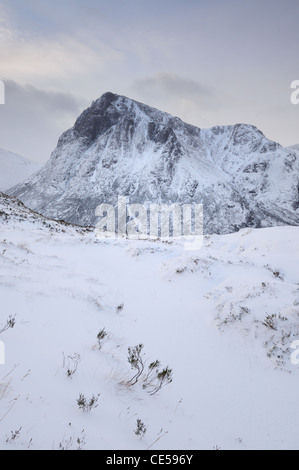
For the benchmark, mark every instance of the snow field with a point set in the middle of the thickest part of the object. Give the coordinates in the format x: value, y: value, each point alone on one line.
x: 186, y: 310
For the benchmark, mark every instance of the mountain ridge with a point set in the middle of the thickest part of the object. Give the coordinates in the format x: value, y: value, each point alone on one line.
x: 119, y: 146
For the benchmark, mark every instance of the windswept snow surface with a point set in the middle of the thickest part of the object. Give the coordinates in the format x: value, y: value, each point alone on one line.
x: 14, y: 169
x: 202, y: 313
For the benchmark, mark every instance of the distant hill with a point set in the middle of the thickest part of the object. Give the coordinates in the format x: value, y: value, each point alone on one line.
x: 14, y: 169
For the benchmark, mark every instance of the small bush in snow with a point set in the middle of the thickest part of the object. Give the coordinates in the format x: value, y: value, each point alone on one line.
x: 140, y: 428
x: 181, y: 270
x: 154, y: 379
x: 120, y: 308
x: 67, y: 444
x: 136, y: 361
x: 87, y: 405
x: 10, y: 323
x: 14, y: 435
x: 153, y: 369
x: 165, y: 377
x: 235, y: 315
x: 269, y: 322
x: 101, y: 337
x: 71, y: 362
x: 278, y: 275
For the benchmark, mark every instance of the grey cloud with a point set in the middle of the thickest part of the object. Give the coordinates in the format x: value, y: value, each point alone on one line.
x: 32, y: 119
x: 173, y: 85
x: 183, y: 97
x: 33, y: 97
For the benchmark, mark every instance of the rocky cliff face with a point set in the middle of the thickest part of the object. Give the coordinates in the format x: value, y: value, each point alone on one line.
x: 121, y: 147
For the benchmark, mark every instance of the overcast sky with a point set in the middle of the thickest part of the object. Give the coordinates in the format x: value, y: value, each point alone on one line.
x: 210, y: 62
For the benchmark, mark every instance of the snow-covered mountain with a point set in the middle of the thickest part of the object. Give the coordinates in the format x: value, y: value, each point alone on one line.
x: 14, y: 169
x: 294, y: 148
x: 228, y: 341
x: 121, y: 147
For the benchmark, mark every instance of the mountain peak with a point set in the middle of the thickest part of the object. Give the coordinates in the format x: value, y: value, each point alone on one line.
x: 96, y: 119
x: 110, y: 109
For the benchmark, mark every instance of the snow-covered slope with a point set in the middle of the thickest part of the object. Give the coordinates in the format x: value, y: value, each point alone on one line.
x: 14, y: 169
x: 222, y: 318
x: 121, y: 147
